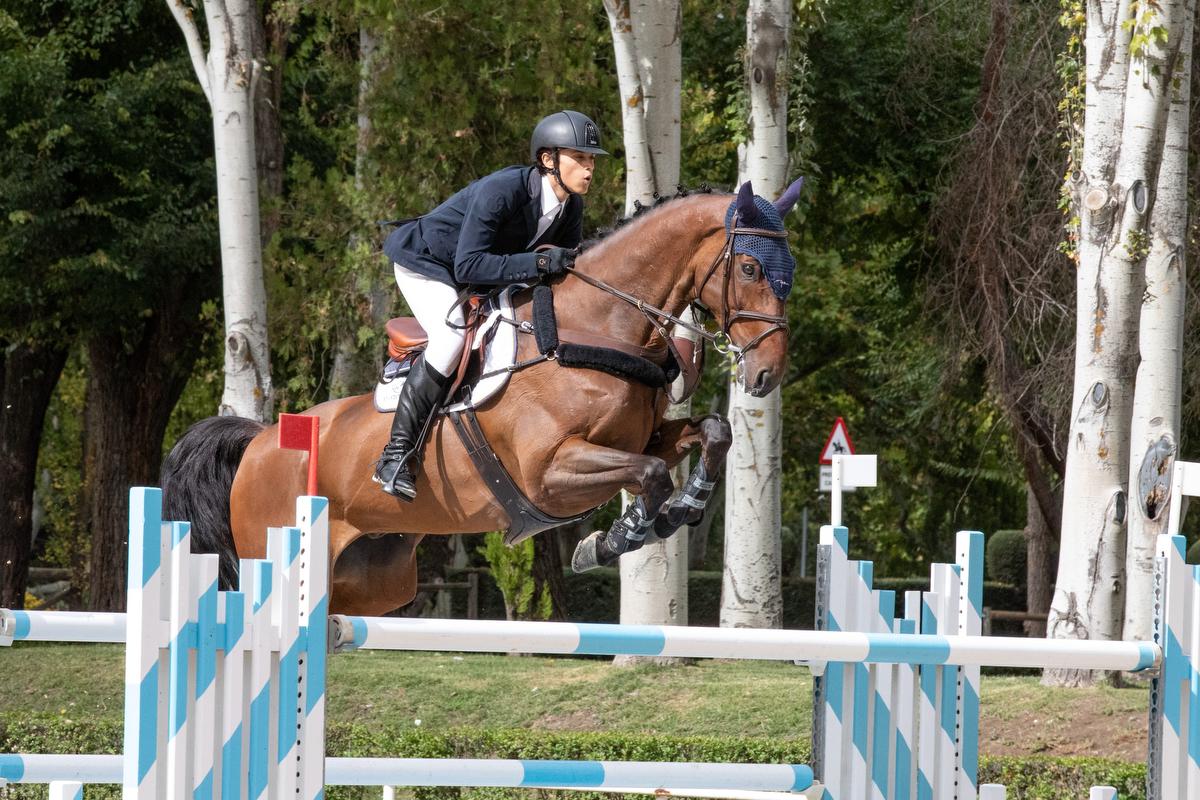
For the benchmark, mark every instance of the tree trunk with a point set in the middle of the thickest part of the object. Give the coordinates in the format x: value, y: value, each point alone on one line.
x: 229, y: 75
x: 356, y: 369
x: 654, y: 578
x: 548, y: 572
x: 133, y: 386
x: 270, y: 31
x: 646, y: 43
x: 1154, y: 432
x: 751, y: 590
x: 28, y: 375
x: 234, y: 76
x: 1126, y: 101
x: 639, y: 169
x: 1040, y: 564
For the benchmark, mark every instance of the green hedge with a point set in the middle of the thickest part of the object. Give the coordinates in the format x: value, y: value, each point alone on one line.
x: 1043, y: 778
x: 1027, y: 778
x: 596, y: 597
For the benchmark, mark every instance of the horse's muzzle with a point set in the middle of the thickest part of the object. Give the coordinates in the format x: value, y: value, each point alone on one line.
x: 763, y: 382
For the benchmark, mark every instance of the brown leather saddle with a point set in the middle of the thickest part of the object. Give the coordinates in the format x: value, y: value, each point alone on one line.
x: 406, y: 338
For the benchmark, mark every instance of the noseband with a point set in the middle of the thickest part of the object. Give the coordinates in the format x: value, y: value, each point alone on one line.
x: 720, y: 341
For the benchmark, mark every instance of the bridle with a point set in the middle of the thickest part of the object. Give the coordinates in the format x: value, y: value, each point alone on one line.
x: 720, y: 341
x: 778, y: 323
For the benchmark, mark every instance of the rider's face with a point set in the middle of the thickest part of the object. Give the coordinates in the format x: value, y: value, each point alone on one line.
x: 574, y: 167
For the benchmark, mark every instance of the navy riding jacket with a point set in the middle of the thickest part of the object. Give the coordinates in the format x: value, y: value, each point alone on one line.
x: 484, y: 234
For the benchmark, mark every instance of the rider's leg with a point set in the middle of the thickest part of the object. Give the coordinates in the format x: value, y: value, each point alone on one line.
x: 420, y: 396
x: 427, y: 382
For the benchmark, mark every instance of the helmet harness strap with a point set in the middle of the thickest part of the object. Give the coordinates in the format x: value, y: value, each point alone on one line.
x: 558, y: 175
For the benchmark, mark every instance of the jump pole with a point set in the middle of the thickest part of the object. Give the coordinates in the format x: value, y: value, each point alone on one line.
x: 565, y: 638
x: 568, y: 638
x: 465, y: 772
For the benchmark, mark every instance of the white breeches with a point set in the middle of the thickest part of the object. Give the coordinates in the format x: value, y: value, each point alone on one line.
x: 430, y: 301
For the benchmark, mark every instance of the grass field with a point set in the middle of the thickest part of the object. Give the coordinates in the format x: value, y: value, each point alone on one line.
x: 437, y: 691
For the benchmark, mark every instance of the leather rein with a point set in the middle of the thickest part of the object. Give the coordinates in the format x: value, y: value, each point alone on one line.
x: 720, y: 341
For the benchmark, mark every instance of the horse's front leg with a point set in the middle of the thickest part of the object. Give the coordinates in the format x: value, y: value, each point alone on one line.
x: 581, y: 462
x: 672, y: 442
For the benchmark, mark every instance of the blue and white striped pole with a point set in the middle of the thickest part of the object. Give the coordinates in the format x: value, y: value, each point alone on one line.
x: 511, y: 773
x: 61, y: 626
x: 565, y: 638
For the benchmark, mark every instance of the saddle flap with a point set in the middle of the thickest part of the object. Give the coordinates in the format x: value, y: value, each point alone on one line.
x: 405, y: 334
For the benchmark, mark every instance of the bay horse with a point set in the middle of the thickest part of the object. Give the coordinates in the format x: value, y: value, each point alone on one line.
x: 570, y: 438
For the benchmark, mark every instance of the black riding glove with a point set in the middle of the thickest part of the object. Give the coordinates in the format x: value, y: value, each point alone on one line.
x: 555, y: 261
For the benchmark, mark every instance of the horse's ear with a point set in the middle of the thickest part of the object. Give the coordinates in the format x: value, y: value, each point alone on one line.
x: 789, y: 197
x: 747, y: 213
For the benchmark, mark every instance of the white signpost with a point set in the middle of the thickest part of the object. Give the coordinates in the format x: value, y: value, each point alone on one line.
x: 842, y: 470
x: 849, y: 472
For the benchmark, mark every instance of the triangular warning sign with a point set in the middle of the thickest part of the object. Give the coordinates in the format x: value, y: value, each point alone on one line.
x: 838, y: 444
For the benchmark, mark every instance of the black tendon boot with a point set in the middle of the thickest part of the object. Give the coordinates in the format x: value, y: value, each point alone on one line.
x: 422, y: 393
x: 688, y: 507
x: 627, y: 534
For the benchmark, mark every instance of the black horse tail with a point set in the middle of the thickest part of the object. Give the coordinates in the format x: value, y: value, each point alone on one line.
x: 197, y: 476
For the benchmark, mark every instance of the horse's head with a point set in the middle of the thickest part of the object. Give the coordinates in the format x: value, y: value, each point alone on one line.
x: 746, y: 286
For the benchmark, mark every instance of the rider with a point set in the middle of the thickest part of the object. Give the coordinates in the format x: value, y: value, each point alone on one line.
x: 483, y: 235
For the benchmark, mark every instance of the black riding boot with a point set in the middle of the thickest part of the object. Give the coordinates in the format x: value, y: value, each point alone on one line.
x: 422, y: 393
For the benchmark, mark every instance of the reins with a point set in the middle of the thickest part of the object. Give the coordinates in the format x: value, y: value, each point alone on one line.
x: 720, y: 341
x: 658, y: 317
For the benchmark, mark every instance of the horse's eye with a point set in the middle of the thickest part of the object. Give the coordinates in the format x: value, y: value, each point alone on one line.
x: 748, y: 269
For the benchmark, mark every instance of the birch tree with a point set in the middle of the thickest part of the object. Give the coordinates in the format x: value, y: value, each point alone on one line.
x: 228, y: 74
x: 646, y: 43
x: 355, y: 368
x: 751, y: 591
x: 1154, y: 434
x: 1131, y: 53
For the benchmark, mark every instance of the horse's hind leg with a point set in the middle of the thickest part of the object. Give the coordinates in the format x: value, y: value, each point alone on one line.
x: 646, y: 476
x: 672, y: 441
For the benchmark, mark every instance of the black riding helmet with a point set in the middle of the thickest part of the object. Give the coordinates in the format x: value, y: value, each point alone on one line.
x: 568, y: 129
x: 564, y: 129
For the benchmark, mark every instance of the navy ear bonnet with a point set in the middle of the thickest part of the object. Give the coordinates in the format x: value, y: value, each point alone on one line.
x: 772, y: 254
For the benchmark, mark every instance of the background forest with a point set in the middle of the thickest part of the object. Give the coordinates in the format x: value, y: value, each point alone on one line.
x: 933, y: 305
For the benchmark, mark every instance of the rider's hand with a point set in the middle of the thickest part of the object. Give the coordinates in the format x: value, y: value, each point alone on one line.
x: 555, y: 261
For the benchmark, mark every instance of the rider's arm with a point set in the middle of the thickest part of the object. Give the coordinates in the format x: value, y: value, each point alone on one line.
x: 489, y: 209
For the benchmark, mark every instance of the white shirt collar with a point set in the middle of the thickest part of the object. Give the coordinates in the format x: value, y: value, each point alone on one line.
x: 549, y: 198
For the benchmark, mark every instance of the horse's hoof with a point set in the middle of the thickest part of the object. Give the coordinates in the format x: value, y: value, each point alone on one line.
x: 585, y: 557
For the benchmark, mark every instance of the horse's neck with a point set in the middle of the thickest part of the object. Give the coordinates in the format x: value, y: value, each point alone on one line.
x: 652, y: 261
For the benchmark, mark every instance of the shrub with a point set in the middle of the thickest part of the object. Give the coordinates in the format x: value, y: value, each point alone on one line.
x: 1006, y: 557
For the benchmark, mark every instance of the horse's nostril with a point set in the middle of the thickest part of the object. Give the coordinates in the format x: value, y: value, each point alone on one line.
x: 760, y: 383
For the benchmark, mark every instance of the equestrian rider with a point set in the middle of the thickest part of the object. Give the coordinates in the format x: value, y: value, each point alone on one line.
x: 482, y: 236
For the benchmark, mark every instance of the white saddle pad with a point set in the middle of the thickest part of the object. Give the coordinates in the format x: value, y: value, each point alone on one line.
x: 501, y: 353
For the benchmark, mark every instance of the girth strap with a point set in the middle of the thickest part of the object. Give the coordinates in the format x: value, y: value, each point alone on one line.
x: 524, y: 518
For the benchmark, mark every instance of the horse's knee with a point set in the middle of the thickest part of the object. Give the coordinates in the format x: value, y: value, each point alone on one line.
x: 718, y: 434
x: 657, y: 485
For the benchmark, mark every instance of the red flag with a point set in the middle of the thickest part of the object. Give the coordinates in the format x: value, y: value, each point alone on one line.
x: 299, y: 432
